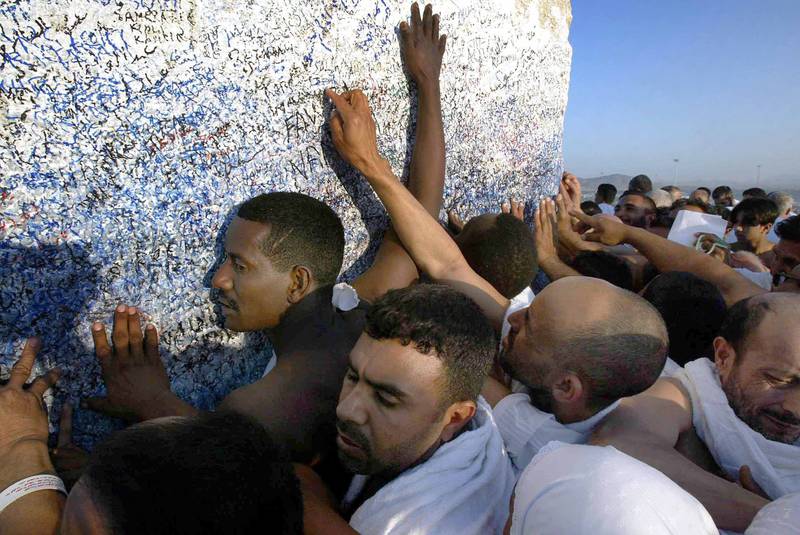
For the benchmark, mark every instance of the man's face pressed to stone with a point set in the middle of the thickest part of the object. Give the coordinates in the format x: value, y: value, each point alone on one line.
x: 389, y: 414
x: 252, y: 292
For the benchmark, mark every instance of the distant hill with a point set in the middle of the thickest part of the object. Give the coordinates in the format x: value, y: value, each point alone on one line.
x: 589, y: 185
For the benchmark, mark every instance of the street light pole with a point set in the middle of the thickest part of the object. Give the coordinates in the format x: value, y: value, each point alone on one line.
x: 758, y: 175
x: 675, y: 170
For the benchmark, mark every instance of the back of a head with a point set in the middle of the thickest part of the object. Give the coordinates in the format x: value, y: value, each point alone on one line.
x: 616, y: 343
x: 674, y: 192
x: 442, y: 322
x: 691, y: 201
x: 590, y: 208
x: 744, y: 317
x: 605, y: 266
x: 303, y: 231
x: 500, y: 249
x: 693, y: 310
x: 606, y: 193
x: 722, y: 192
x: 754, y: 192
x: 215, y: 473
x: 783, y: 200
x: 789, y: 229
x: 661, y: 198
x: 754, y: 211
x: 641, y: 183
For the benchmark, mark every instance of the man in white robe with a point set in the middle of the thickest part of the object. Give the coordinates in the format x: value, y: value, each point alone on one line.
x: 581, y: 346
x: 424, y: 448
x: 744, y: 407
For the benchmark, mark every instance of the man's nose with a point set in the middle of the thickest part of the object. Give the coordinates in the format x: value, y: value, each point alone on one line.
x: 351, y: 407
x: 222, y: 278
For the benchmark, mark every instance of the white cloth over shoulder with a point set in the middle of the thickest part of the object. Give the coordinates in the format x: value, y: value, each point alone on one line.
x: 526, y: 429
x: 463, y: 489
x: 520, y: 301
x: 781, y: 517
x: 670, y: 368
x: 606, y: 208
x: 762, y: 278
x: 775, y: 465
x: 344, y: 297
x: 575, y: 490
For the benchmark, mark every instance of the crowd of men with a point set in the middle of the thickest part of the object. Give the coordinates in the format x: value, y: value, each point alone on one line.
x: 637, y: 385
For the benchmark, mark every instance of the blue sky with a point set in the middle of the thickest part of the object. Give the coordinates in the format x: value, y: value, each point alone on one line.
x: 714, y: 83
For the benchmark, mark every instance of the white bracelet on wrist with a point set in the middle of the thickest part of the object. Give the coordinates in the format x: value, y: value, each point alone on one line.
x: 28, y: 485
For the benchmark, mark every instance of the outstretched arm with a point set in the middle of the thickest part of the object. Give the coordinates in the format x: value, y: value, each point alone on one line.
x: 670, y: 256
x: 422, y: 49
x: 647, y: 427
x: 433, y: 251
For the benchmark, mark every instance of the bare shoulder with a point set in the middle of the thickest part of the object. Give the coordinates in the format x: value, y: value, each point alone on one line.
x: 666, y: 403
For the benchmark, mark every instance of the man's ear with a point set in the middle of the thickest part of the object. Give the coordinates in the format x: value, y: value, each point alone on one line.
x: 456, y: 416
x: 765, y: 229
x: 301, y: 283
x: 724, y: 357
x: 568, y: 389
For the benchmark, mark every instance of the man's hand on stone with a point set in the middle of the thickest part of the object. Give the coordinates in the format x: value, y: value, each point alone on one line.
x: 544, y: 240
x: 515, y: 208
x: 23, y: 415
x: 421, y: 46
x: 353, y: 131
x: 135, y: 378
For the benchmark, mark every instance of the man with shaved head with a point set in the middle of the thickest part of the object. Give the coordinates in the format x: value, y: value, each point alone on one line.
x: 576, y: 367
x: 577, y: 370
x: 744, y: 407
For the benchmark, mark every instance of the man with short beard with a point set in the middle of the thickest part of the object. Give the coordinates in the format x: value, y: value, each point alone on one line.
x: 424, y: 448
x: 744, y: 407
x: 636, y: 209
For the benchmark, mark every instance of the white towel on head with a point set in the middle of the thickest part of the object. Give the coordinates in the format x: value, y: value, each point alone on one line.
x: 775, y: 465
x: 463, y: 489
x: 576, y: 489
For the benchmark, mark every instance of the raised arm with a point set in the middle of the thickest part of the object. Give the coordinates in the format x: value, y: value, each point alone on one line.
x: 648, y: 427
x: 544, y: 238
x: 422, y: 49
x: 666, y: 255
x: 433, y: 251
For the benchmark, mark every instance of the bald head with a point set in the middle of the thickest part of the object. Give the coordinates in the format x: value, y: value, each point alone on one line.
x: 614, y: 340
x: 745, y: 320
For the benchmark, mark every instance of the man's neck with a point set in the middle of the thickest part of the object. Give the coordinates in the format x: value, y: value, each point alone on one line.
x: 298, y: 313
x: 572, y: 414
x: 764, y: 246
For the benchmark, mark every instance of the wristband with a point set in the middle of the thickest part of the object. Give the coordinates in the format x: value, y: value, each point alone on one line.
x: 28, y: 485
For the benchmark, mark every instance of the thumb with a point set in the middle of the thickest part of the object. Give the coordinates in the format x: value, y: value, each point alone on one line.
x: 748, y: 483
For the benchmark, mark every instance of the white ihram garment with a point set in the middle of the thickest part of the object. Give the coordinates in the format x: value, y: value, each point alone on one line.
x: 593, y: 490
x: 775, y: 465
